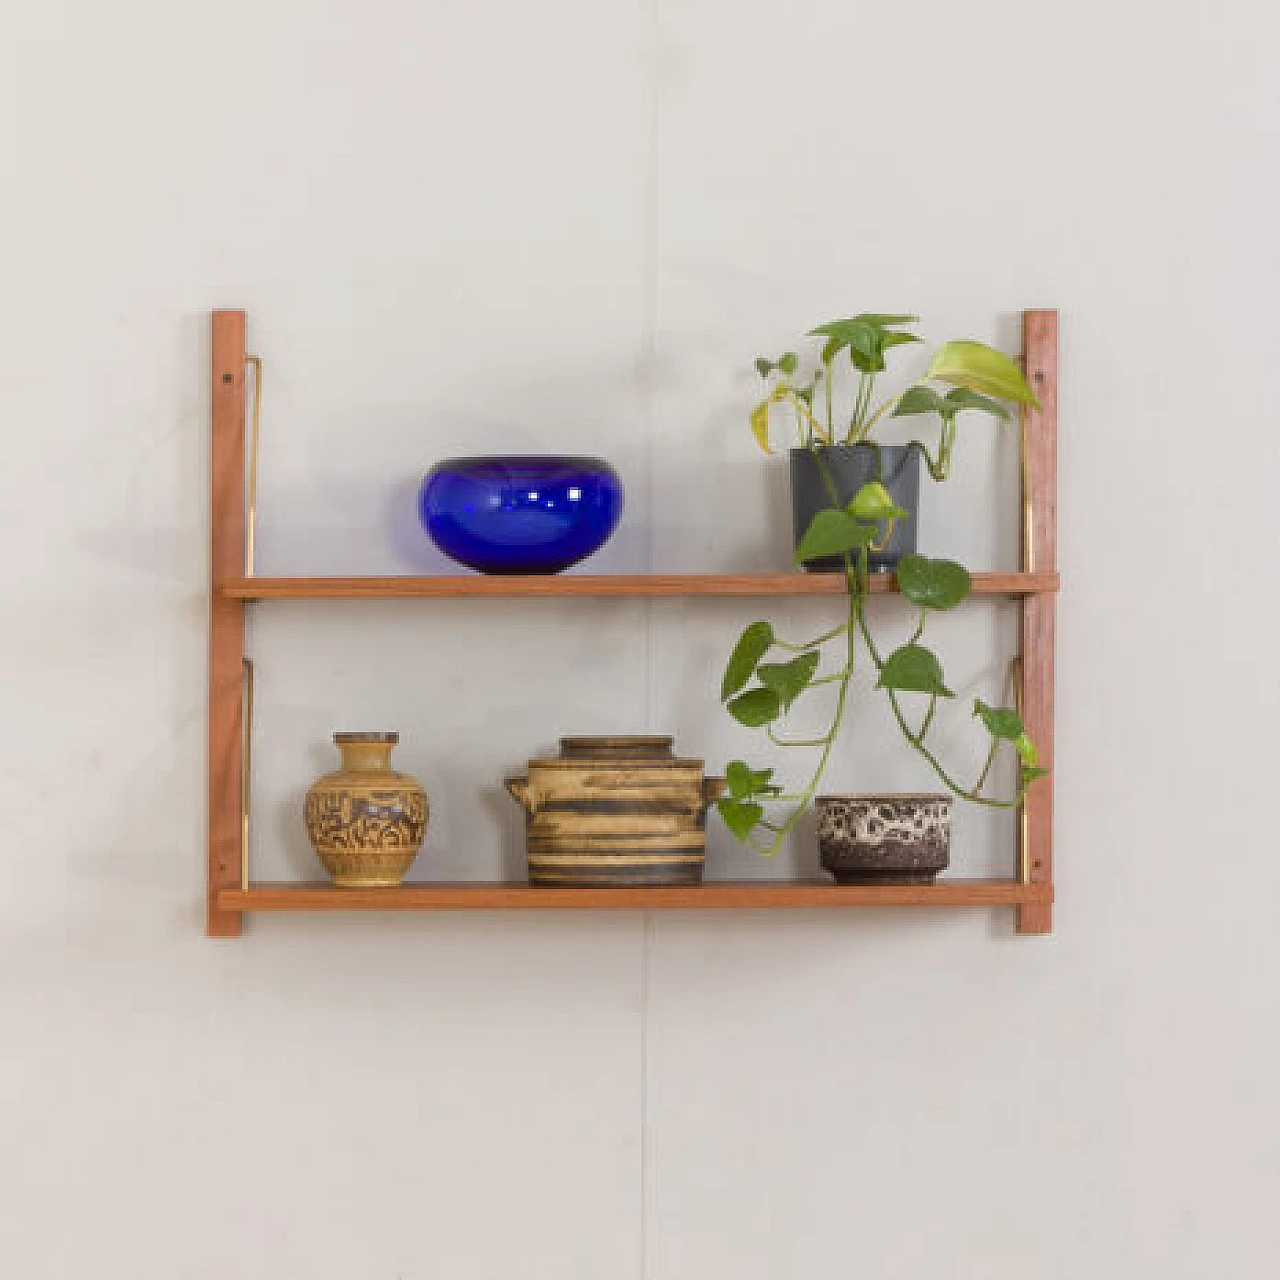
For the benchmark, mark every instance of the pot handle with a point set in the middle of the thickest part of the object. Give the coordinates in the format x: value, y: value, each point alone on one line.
x: 519, y: 789
x: 713, y: 789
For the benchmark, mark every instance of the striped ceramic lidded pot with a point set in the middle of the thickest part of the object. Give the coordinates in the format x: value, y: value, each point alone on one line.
x: 615, y: 811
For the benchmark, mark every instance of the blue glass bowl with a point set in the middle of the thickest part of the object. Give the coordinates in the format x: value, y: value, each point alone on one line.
x: 522, y: 514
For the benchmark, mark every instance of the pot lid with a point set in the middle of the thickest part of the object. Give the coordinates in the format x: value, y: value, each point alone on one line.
x: 616, y: 749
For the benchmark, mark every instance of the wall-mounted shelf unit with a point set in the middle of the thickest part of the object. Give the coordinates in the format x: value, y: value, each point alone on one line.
x: 234, y: 587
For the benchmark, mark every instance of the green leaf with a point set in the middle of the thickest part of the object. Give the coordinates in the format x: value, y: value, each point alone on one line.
x: 873, y: 502
x: 854, y: 329
x: 887, y: 322
x: 866, y: 324
x: 737, y: 777
x: 752, y: 645
x: 740, y: 816
x: 981, y: 368
x: 1003, y: 723
x: 863, y: 340
x: 1000, y: 721
x: 933, y: 584
x: 764, y: 367
x: 788, y: 679
x: 867, y: 336
x: 868, y: 358
x: 831, y: 533
x: 743, y: 781
x: 756, y: 707
x: 918, y: 400
x: 913, y: 669
x: 890, y: 339
x: 961, y: 398
x: 760, y: 423
x: 789, y: 363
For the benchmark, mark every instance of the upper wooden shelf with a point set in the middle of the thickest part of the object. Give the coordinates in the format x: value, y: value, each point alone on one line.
x: 681, y: 584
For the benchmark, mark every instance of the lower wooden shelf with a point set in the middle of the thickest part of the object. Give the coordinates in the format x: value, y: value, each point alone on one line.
x: 720, y: 895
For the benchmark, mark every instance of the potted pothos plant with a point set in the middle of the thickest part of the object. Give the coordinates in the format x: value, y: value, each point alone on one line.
x: 855, y: 504
x: 835, y: 414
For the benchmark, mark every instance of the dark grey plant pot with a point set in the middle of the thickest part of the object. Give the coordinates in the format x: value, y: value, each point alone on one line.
x: 889, y: 839
x: 848, y: 467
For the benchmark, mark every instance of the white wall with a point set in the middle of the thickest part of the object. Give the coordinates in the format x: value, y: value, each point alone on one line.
x: 499, y: 225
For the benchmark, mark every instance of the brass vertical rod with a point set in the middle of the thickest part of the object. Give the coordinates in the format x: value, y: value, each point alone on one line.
x: 1028, y: 523
x: 1024, y: 846
x: 255, y: 439
x: 1024, y: 840
x: 246, y: 773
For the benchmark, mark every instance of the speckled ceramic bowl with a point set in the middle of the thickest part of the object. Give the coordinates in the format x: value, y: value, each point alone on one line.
x: 887, y: 839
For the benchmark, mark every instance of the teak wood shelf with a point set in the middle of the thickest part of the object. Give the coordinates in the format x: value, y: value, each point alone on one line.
x: 711, y: 895
x: 560, y: 585
x: 233, y: 587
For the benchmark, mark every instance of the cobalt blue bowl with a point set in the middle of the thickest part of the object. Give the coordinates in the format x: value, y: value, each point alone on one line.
x: 536, y: 513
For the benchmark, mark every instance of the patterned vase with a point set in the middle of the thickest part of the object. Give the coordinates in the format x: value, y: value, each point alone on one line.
x: 366, y: 820
x: 890, y: 839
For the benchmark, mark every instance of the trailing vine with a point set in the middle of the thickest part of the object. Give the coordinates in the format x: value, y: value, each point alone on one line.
x: 760, y: 693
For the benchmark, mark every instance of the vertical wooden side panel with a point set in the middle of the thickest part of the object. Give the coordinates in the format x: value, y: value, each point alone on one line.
x: 226, y: 618
x: 1040, y: 354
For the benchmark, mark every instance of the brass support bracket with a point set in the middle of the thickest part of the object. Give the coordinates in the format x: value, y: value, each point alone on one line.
x: 1024, y: 835
x: 255, y: 440
x: 1028, y: 523
x: 246, y: 772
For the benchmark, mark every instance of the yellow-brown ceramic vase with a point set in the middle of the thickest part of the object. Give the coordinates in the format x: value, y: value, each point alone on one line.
x: 366, y: 820
x: 615, y: 811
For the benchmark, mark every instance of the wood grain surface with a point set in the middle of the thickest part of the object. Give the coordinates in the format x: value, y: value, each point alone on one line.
x: 236, y: 587
x: 732, y: 895
x: 1040, y: 350
x: 226, y: 620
